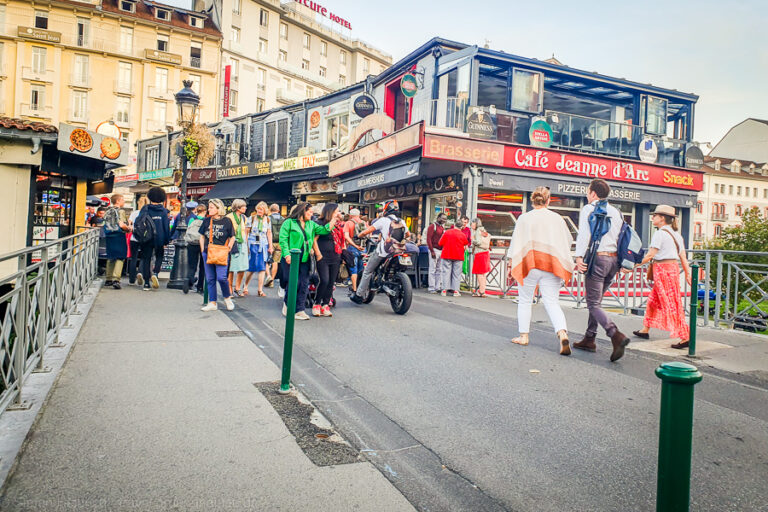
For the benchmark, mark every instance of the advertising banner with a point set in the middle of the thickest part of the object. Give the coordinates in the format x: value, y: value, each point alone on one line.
x: 80, y: 141
x: 227, y: 83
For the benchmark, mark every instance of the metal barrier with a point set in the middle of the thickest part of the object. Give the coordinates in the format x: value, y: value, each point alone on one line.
x: 36, y: 301
x: 731, y: 292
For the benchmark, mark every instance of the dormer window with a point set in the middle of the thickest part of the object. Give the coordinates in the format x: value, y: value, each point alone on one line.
x: 127, y: 5
x: 736, y: 166
x: 717, y: 165
x: 751, y: 169
x: 162, y: 14
x: 196, y: 22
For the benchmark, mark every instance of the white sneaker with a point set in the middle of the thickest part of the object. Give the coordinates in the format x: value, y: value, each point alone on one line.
x: 285, y: 309
x: 456, y: 294
x: 280, y: 293
x: 229, y: 303
x: 301, y: 315
x: 211, y: 306
x: 443, y: 293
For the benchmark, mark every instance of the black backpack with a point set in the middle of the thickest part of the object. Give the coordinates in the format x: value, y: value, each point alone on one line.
x: 144, y: 228
x: 276, y: 225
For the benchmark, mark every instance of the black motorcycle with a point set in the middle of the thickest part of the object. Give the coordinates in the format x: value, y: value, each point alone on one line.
x: 390, y: 278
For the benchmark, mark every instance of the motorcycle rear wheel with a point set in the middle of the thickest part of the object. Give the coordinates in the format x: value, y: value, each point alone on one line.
x: 401, y: 303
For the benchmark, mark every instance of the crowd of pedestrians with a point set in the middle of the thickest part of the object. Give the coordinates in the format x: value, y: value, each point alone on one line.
x: 226, y: 248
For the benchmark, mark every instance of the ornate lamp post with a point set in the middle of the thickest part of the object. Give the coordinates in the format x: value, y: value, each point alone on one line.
x: 187, y: 102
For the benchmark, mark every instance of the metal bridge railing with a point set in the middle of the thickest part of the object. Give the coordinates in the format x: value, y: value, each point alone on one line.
x: 732, y: 292
x: 36, y: 301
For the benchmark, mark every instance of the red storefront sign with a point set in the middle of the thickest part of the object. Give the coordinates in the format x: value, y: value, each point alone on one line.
x: 127, y: 178
x: 559, y: 162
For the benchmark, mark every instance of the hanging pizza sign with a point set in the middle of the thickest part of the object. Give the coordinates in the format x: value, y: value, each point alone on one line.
x: 79, y: 141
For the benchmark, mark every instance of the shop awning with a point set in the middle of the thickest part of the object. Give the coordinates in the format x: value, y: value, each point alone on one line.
x: 242, y: 188
x: 387, y: 176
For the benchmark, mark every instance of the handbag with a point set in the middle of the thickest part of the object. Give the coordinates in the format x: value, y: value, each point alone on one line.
x: 217, y: 254
x: 649, y: 272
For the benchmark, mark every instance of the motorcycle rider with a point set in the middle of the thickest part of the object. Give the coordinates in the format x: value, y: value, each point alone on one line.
x: 388, y: 235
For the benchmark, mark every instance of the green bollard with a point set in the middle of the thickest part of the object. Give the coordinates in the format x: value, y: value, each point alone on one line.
x: 205, y: 292
x: 673, y: 486
x: 290, y: 319
x: 694, y: 307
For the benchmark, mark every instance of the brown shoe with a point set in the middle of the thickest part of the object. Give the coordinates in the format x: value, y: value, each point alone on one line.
x: 619, y: 341
x: 565, y: 346
x: 587, y: 344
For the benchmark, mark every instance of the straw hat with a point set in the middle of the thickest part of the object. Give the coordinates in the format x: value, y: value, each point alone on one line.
x: 664, y: 209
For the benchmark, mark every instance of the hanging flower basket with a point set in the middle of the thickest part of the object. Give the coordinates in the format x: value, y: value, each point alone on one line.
x: 198, y: 145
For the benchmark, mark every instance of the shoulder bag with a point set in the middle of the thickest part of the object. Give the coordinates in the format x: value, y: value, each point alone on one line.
x: 649, y: 272
x: 217, y: 254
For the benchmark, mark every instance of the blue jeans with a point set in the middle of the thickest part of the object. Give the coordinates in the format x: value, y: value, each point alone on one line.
x: 214, y: 273
x: 355, y: 252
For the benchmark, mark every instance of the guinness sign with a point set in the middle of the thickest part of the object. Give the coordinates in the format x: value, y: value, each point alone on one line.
x: 364, y: 105
x: 694, y: 158
x: 481, y: 125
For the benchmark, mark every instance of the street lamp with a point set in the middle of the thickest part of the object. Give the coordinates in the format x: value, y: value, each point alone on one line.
x: 187, y: 102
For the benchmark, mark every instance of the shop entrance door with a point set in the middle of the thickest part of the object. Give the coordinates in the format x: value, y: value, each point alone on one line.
x: 54, y: 200
x: 396, y: 105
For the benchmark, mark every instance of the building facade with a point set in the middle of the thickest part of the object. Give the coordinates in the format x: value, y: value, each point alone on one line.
x: 731, y: 187
x: 89, y: 61
x: 281, y: 53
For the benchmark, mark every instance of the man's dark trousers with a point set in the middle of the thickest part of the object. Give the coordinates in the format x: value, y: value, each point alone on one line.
x: 596, y: 283
x: 147, y: 269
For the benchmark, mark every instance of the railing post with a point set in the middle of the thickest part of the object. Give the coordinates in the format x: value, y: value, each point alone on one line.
x: 673, y: 485
x: 20, y: 344
x: 290, y: 319
x: 694, y: 307
x: 42, y: 329
x: 718, y: 288
x: 707, y: 270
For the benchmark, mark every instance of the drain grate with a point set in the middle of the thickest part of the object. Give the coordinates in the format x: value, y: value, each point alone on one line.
x: 229, y: 334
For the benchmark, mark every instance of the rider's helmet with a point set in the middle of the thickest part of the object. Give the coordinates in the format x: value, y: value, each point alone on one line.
x: 391, y: 207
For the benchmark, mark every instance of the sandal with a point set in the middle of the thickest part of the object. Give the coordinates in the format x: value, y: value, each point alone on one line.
x: 262, y: 294
x: 481, y: 295
x: 245, y: 291
x: 475, y: 294
x: 521, y: 340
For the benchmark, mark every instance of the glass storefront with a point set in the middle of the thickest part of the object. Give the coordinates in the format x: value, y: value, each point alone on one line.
x: 499, y: 210
x: 53, y: 207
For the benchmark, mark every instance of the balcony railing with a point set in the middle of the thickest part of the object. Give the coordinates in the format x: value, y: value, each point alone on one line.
x: 161, y: 93
x: 77, y: 116
x: 37, y: 75
x: 571, y: 132
x: 721, y: 217
x: 36, y: 111
x: 123, y: 87
x: 79, y: 80
x: 594, y: 135
x: 154, y: 125
x: 195, y: 62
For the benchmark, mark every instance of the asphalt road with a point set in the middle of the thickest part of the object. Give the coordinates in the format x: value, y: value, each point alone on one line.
x: 453, y: 415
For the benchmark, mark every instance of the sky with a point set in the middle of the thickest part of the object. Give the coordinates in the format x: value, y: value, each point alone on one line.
x: 715, y: 49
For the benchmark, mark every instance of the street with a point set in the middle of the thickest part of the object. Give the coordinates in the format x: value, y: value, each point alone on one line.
x: 458, y: 419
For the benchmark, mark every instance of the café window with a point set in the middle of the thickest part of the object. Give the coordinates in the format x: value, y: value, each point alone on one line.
x: 455, y: 83
x: 499, y: 210
x: 276, y: 139
x: 526, y: 93
x: 654, y: 110
x: 337, y: 132
x: 492, y: 86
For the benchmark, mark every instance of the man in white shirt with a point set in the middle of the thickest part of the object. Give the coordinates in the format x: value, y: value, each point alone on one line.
x: 383, y: 225
x: 601, y: 271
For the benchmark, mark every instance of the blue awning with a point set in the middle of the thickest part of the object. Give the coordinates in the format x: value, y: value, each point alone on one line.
x: 240, y: 188
x: 388, y: 176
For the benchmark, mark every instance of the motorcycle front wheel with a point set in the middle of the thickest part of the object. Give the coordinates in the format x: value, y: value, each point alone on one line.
x: 401, y: 302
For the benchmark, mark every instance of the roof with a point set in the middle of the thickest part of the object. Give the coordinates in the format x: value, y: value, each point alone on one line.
x: 12, y: 123
x: 741, y: 174
x: 728, y: 161
x: 144, y: 11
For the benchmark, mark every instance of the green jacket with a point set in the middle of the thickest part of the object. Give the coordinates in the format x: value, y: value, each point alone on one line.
x: 291, y: 237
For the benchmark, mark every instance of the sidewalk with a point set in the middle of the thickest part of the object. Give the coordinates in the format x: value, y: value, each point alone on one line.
x: 727, y: 350
x: 156, y: 409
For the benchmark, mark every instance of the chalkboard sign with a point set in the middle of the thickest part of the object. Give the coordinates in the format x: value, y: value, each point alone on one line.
x: 168, y: 254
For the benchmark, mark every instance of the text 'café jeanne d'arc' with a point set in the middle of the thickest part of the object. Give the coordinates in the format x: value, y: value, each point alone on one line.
x: 474, y: 131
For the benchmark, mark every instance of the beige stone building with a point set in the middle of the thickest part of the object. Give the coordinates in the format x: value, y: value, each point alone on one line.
x: 730, y: 188
x: 283, y: 53
x: 89, y: 61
